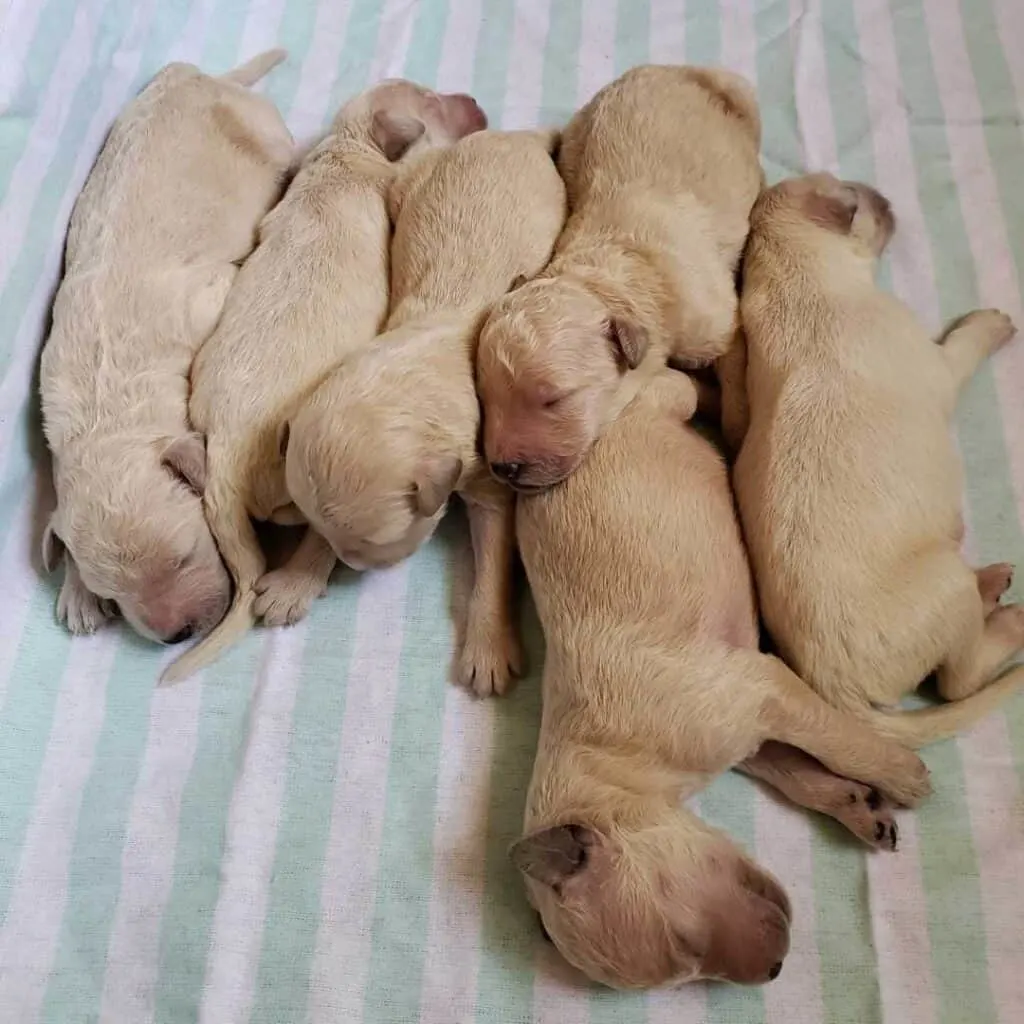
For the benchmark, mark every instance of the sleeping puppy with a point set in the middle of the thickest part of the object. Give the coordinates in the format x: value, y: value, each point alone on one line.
x: 376, y: 451
x: 315, y: 289
x: 170, y: 208
x: 661, y: 169
x: 653, y: 684
x: 863, y: 588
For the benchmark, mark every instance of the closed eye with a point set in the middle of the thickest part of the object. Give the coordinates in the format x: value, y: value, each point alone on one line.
x: 558, y: 399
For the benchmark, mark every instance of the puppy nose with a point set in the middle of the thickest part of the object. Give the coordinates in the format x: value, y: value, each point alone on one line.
x: 507, y: 470
x: 182, y: 635
x: 775, y: 971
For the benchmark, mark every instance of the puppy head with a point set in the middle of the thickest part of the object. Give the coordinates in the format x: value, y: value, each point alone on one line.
x: 365, y: 475
x: 403, y: 118
x: 550, y: 362
x: 660, y: 906
x: 130, y: 514
x: 844, y: 209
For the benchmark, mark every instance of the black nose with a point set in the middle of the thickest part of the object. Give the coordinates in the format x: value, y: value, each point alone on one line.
x: 507, y: 470
x: 182, y: 635
x: 775, y: 971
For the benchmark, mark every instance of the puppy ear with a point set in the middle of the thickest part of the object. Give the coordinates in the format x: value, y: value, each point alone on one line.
x: 395, y: 133
x: 630, y: 338
x: 554, y: 855
x: 435, y: 481
x: 53, y: 547
x: 284, y: 433
x: 517, y: 282
x: 186, y: 458
x: 834, y: 209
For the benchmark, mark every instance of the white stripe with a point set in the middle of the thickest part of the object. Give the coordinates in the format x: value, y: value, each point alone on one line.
x: 783, y: 843
x: 458, y: 55
x: 189, y: 44
x: 668, y: 31
x: 262, y: 23
x: 899, y: 923
x: 739, y: 40
x: 452, y: 948
x: 983, y: 215
x: 18, y: 27
x: 393, y: 35
x: 814, y: 113
x: 993, y: 802
x: 525, y: 80
x: 251, y: 835
x: 595, y: 60
x: 319, y: 69
x: 147, y: 860
x: 344, y: 938
x: 31, y: 930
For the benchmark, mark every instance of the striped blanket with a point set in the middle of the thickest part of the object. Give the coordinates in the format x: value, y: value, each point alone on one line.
x: 316, y: 830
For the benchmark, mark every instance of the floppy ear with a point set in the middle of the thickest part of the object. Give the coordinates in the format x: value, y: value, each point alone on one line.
x: 186, y: 458
x: 630, y: 338
x: 53, y: 547
x: 395, y: 133
x: 834, y: 209
x: 554, y: 855
x: 435, y: 481
x: 284, y: 433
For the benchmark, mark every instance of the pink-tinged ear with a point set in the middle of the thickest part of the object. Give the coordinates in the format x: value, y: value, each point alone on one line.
x: 834, y: 209
x: 435, y: 482
x: 630, y: 338
x: 553, y: 855
x: 53, y: 547
x: 186, y: 458
x: 395, y: 133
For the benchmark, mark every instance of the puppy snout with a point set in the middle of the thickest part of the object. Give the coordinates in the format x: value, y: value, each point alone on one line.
x: 183, y: 634
x: 507, y: 471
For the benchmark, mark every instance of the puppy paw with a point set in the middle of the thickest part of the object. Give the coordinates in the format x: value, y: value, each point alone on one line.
x: 908, y: 782
x: 869, y: 816
x: 284, y: 596
x: 994, y: 323
x: 81, y: 610
x: 489, y: 661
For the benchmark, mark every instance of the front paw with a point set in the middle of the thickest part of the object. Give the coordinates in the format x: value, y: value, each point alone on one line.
x: 284, y: 596
x: 81, y: 611
x: 490, y: 659
x: 909, y: 781
x: 869, y: 816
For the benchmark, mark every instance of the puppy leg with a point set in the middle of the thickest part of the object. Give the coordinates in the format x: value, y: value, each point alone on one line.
x: 285, y: 595
x: 793, y: 713
x: 491, y: 652
x: 732, y: 378
x: 969, y: 341
x: 985, y: 644
x: 79, y: 608
x: 993, y: 582
x: 804, y: 781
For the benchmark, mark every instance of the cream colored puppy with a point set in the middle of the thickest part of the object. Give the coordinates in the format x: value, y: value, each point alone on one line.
x: 848, y: 482
x: 653, y: 684
x: 375, y: 453
x: 170, y: 208
x: 315, y: 289
x: 662, y: 169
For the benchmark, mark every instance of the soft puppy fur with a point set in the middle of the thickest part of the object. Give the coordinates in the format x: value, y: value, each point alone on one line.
x: 315, y: 289
x: 848, y: 482
x: 377, y: 450
x: 170, y: 208
x: 662, y: 169
x: 653, y: 684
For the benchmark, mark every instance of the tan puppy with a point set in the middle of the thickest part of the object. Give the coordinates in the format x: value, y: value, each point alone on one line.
x: 171, y: 206
x: 376, y: 452
x: 653, y: 684
x: 848, y: 483
x: 315, y: 289
x: 662, y: 169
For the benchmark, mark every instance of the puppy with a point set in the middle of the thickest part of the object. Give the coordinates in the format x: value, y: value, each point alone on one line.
x: 170, y: 208
x: 377, y: 450
x: 653, y: 684
x: 847, y: 480
x: 315, y: 289
x: 661, y: 169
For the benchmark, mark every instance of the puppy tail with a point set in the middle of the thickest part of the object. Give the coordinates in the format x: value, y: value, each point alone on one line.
x: 253, y: 70
x: 240, y: 548
x: 919, y: 728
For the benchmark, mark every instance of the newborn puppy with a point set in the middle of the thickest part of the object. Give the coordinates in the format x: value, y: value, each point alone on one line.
x: 661, y: 169
x: 315, y: 289
x: 170, y: 208
x: 376, y: 451
x: 848, y: 483
x: 653, y: 685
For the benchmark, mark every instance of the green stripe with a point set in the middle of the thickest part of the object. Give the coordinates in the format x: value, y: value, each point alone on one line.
x: 295, y: 34
x: 559, y: 79
x: 361, y: 41
x: 632, y: 34
x: 490, y: 66
x: 220, y: 747
x: 427, y: 41
x: 293, y: 899
x: 94, y: 876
